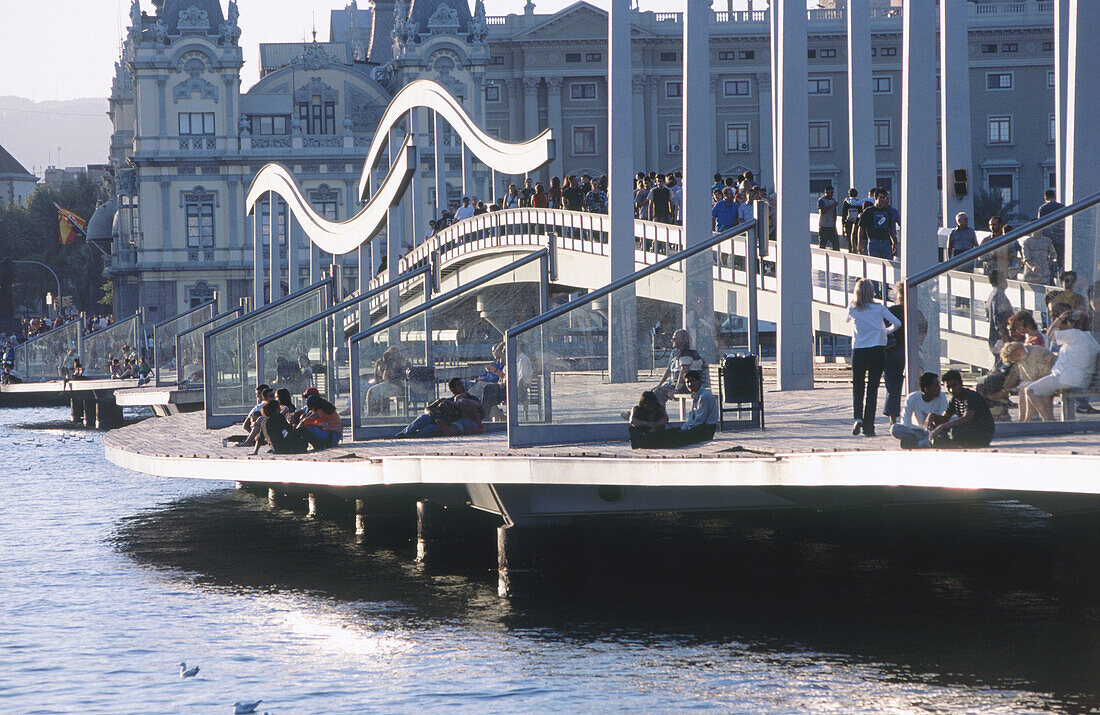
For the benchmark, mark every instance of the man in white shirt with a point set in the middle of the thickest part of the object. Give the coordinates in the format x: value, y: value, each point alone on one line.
x: 1074, y: 367
x: 464, y: 211
x: 700, y: 426
x: 912, y: 428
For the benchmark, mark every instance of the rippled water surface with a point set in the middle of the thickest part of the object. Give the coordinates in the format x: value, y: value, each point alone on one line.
x: 109, y: 579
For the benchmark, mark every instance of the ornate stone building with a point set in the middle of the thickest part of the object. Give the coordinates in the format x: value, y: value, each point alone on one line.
x: 187, y: 140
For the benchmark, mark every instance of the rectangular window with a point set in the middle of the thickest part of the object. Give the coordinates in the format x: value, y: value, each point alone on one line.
x: 989, y: 49
x: 668, y: 57
x: 200, y: 224
x: 1010, y: 47
x: 496, y: 60
x: 821, y: 85
x: 727, y: 56
x: 1050, y: 79
x: 888, y: 52
x: 882, y: 85
x: 327, y: 209
x: 593, y: 57
x: 817, y: 186
x: 737, y: 137
x: 317, y: 117
x: 1000, y: 130
x: 572, y: 56
x: 674, y: 89
x: 267, y: 126
x: 675, y: 138
x: 827, y: 54
x: 584, y: 141
x: 736, y: 88
x: 192, y: 123
x: 1052, y: 129
x: 330, y: 118
x: 582, y: 90
x: 998, y: 80
x: 1001, y: 185
x: 884, y: 135
x: 811, y: 54
x: 746, y: 54
x: 492, y: 93
x: 820, y: 136
x: 874, y: 52
x: 1048, y: 46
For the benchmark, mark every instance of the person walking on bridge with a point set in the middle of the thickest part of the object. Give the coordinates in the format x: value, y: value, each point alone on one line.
x: 826, y: 220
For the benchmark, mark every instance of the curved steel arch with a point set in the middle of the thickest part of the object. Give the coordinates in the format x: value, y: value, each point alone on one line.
x: 345, y: 236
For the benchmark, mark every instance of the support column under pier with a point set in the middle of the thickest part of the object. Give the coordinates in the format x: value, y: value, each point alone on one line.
x: 89, y: 412
x: 76, y: 410
x: 452, y: 535
x: 108, y: 414
x: 388, y: 520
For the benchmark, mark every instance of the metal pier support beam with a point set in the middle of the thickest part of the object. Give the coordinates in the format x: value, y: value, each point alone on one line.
x: 517, y: 562
x: 861, y: 114
x: 1082, y: 136
x: 451, y: 534
x: 795, y: 331
x: 698, y: 142
x: 622, y: 344
x: 919, y: 229
x: 956, y: 136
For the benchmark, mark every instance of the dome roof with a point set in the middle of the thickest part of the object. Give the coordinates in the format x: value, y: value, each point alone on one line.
x: 101, y: 225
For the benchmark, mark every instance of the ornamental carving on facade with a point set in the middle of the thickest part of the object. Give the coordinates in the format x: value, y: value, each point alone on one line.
x: 230, y: 29
x: 315, y: 87
x: 363, y: 113
x: 314, y: 57
x: 193, y: 19
x: 444, y: 19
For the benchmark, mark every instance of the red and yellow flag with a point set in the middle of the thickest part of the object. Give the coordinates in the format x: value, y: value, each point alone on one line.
x: 71, y: 226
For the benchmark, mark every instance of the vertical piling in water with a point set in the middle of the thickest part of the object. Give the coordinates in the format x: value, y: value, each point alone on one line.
x: 360, y: 519
x: 89, y: 413
x: 108, y: 414
x: 451, y: 534
x: 518, y: 567
x: 76, y: 410
x: 312, y: 510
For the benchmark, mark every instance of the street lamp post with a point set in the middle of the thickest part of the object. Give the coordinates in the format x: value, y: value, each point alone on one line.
x: 56, y: 279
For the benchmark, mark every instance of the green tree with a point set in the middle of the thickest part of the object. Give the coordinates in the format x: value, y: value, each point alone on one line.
x: 988, y: 204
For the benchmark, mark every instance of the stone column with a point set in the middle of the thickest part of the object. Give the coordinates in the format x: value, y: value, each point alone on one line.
x: 919, y: 240
x: 274, y: 259
x: 861, y: 101
x: 468, y: 188
x: 717, y: 128
x: 622, y: 316
x: 773, y: 23
x: 1082, y: 136
x: 530, y: 107
x: 795, y: 332
x: 698, y: 143
x: 955, y: 149
x: 440, y: 166
x: 553, y: 121
x: 766, y: 149
x: 641, y: 143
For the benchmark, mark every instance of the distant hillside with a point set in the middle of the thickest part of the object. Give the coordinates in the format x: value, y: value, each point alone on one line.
x: 33, y: 131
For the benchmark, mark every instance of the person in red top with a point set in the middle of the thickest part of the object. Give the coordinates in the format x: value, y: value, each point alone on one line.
x: 540, y: 199
x: 321, y: 426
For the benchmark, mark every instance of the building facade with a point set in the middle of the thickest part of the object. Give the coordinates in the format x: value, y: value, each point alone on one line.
x: 188, y: 140
x: 16, y: 183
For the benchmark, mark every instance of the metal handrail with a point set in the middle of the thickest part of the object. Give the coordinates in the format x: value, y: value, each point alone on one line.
x: 184, y: 314
x: 263, y: 309
x: 1001, y: 241
x: 632, y: 278
x: 347, y: 303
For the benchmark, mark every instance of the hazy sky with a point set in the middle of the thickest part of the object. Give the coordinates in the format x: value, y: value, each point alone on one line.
x: 64, y: 49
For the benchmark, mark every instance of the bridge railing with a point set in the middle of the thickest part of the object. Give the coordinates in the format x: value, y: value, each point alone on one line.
x: 957, y: 311
x: 400, y: 365
x: 313, y: 352
x: 575, y: 370
x: 39, y: 359
x: 229, y: 351
x: 117, y: 341
x: 164, y: 339
x: 189, y: 365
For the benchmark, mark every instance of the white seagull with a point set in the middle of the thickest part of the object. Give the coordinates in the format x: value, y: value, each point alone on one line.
x: 186, y: 672
x: 240, y: 708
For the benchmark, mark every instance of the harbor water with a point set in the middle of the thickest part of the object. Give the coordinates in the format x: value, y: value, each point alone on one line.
x: 109, y: 579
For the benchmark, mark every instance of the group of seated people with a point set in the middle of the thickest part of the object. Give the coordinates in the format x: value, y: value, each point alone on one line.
x: 929, y: 419
x: 130, y: 368
x: 275, y: 421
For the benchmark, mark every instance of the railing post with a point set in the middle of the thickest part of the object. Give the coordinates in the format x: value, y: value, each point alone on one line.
x: 760, y: 233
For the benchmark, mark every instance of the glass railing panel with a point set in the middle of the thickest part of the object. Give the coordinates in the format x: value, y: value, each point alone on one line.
x: 41, y: 359
x: 164, y: 341
x: 394, y: 375
x: 102, y: 348
x: 230, y: 353
x: 968, y: 315
x: 582, y: 371
x: 189, y: 367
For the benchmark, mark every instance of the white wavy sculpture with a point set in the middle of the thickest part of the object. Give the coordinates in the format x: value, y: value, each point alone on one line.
x: 345, y: 236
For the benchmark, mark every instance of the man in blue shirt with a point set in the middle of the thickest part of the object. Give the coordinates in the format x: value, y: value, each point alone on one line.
x: 725, y: 212
x: 877, y: 236
x: 962, y: 238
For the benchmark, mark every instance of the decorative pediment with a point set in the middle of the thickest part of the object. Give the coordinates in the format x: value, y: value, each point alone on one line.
x: 324, y: 194
x: 314, y: 57
x: 198, y: 195
x: 189, y: 86
x: 578, y: 20
x: 306, y: 92
x: 193, y: 19
x: 444, y: 19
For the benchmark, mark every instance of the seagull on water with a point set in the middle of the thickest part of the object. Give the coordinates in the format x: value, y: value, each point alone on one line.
x: 186, y: 672
x: 240, y: 708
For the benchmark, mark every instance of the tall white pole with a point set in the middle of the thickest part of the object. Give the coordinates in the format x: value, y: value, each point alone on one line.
x: 293, y: 248
x: 1061, y: 76
x: 273, y: 226
x: 919, y: 237
x: 258, y: 293
x: 622, y: 315
x: 395, y: 230
x: 438, y: 131
x: 418, y: 123
x: 698, y: 147
x: 1083, y: 137
x: 861, y: 102
x: 955, y: 149
x: 773, y: 130
x: 795, y: 332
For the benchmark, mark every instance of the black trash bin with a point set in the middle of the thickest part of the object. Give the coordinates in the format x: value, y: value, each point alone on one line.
x: 741, y: 390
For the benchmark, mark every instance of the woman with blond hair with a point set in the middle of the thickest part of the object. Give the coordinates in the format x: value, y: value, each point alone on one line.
x: 869, y: 319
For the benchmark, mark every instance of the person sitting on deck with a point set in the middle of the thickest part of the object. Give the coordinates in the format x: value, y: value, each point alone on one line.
x: 7, y: 378
x: 699, y: 427
x: 647, y: 418
x: 277, y: 432
x: 322, y: 426
x: 144, y: 372
x: 263, y: 395
x: 1028, y: 364
x: 1073, y: 368
x: 912, y: 428
x: 297, y: 415
x: 459, y: 414
x: 286, y: 406
x: 967, y: 423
